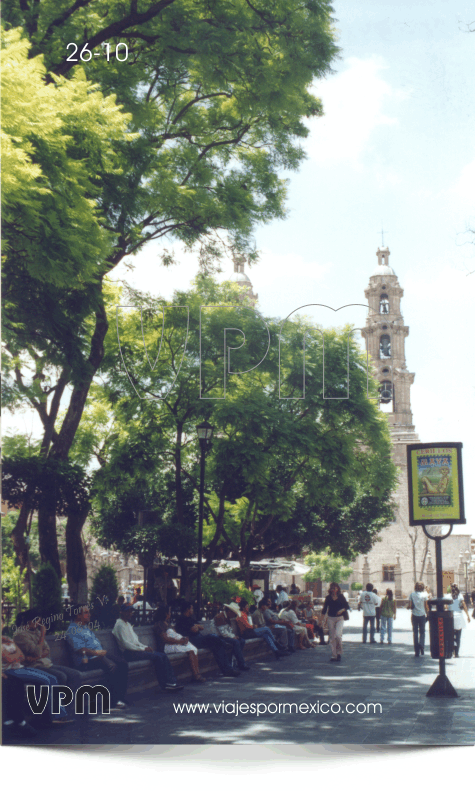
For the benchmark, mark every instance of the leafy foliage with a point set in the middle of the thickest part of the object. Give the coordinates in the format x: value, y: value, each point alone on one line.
x: 328, y: 567
x: 187, y: 139
x: 46, y: 591
x: 219, y: 588
x: 282, y: 474
x: 13, y: 580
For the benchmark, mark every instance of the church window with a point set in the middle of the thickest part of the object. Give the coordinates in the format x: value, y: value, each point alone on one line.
x: 384, y: 304
x: 385, y: 346
x: 385, y: 371
x: 388, y: 573
x: 386, y: 392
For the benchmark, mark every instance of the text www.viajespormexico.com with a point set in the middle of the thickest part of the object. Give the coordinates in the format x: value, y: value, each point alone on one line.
x: 259, y: 708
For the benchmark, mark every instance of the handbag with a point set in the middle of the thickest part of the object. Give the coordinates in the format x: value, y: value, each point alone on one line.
x: 346, y: 615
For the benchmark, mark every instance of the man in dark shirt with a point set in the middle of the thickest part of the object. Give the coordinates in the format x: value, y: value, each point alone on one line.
x: 187, y: 625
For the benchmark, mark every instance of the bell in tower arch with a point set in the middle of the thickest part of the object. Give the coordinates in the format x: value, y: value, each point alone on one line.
x: 385, y: 346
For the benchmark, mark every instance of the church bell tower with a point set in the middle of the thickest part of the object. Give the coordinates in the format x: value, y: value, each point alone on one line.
x: 385, y: 335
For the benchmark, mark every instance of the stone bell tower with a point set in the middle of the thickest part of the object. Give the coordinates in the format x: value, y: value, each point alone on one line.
x: 385, y: 334
x: 240, y: 277
x: 389, y: 562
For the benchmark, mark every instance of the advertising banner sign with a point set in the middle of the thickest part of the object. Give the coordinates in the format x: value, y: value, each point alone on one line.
x: 435, y: 483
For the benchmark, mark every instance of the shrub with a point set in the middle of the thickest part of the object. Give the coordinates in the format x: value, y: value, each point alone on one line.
x: 356, y: 586
x: 46, y: 594
x: 215, y: 588
x: 105, y: 589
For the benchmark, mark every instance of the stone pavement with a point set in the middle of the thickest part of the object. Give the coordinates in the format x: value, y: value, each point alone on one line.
x: 389, y: 676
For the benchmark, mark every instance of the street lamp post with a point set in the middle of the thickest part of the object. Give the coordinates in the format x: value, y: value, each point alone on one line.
x: 205, y: 434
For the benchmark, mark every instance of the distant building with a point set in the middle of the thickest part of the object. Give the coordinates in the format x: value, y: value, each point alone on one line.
x: 400, y: 548
x: 241, y: 278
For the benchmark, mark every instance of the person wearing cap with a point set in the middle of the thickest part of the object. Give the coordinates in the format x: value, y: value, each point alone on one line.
x: 133, y: 649
x: 257, y: 592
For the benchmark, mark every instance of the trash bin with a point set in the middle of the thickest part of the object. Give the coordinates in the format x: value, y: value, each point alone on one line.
x: 441, y: 628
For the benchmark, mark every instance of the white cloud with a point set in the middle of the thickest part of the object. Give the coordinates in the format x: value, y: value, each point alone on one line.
x: 353, y: 102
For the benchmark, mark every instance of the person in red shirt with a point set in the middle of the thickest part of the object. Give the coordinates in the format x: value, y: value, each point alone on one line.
x: 248, y: 631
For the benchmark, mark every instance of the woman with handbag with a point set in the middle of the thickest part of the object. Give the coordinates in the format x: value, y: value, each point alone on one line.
x: 335, y: 611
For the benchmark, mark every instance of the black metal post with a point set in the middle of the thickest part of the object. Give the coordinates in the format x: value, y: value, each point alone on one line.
x: 200, y: 529
x: 441, y: 686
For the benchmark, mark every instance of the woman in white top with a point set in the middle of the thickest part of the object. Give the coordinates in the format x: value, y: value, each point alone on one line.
x: 458, y: 607
x: 418, y: 604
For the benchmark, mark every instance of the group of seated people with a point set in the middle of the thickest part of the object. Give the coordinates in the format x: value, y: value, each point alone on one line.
x: 26, y: 657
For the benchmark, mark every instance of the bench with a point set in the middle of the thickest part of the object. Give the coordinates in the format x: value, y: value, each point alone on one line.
x: 141, y: 672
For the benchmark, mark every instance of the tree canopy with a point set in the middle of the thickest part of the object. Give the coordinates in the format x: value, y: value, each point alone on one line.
x: 283, y: 474
x: 188, y: 137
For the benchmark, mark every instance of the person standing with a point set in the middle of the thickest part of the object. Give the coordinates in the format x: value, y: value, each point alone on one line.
x: 282, y: 597
x: 458, y: 607
x: 378, y: 613
x: 388, y: 615
x: 257, y: 592
x: 418, y: 604
x: 368, y: 601
x: 334, y: 609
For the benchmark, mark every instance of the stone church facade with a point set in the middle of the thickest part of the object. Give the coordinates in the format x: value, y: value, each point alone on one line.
x: 401, y: 554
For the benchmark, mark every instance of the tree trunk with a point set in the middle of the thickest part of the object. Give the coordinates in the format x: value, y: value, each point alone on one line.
x: 67, y: 433
x: 75, y: 558
x: 18, y: 536
x: 48, y: 539
x: 61, y: 446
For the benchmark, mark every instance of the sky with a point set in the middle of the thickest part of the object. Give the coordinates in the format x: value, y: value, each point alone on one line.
x: 395, y: 149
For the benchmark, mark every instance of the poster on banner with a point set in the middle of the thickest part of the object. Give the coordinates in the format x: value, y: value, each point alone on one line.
x: 435, y: 483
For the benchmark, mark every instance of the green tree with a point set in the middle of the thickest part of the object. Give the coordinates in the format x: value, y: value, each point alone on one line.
x: 215, y: 96
x: 329, y: 567
x: 13, y: 584
x: 283, y: 474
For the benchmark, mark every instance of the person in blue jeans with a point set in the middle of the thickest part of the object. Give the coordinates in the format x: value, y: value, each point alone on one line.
x: 388, y: 614
x: 223, y: 624
x: 187, y: 625
x: 13, y: 670
x: 248, y: 631
x: 418, y: 604
x: 369, y: 601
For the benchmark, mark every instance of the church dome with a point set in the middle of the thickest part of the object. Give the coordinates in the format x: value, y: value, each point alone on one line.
x: 240, y: 277
x: 382, y: 269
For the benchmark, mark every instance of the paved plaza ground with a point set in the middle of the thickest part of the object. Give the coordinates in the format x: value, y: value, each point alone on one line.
x: 389, y: 676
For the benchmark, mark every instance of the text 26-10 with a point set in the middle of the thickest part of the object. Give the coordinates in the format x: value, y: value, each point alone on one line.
x: 85, y: 55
